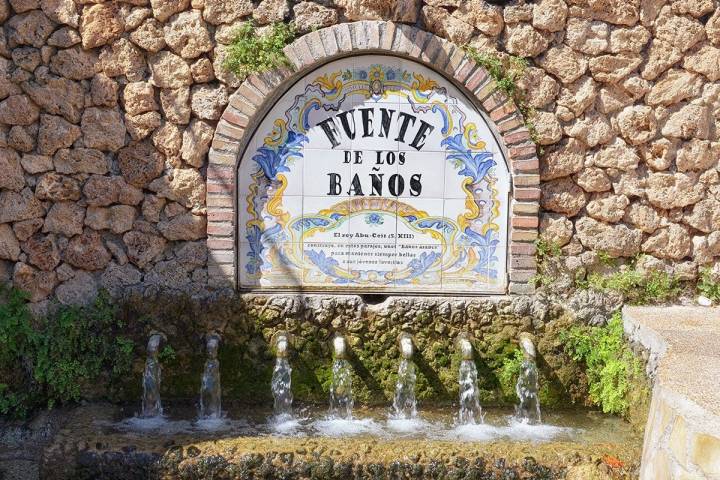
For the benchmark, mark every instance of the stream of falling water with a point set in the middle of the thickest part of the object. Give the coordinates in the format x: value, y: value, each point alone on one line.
x: 470, y: 412
x: 151, y: 405
x: 282, y: 388
x: 528, y: 409
x: 341, y: 397
x: 404, y: 403
x: 210, y: 392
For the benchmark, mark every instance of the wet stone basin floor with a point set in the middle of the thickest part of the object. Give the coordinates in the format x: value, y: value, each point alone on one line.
x: 104, y: 441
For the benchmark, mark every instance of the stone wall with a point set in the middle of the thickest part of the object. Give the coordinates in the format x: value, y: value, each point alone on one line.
x: 108, y: 110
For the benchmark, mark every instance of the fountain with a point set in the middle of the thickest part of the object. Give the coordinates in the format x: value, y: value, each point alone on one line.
x: 341, y: 398
x: 470, y: 412
x: 151, y: 406
x: 210, y: 392
x: 404, y: 403
x: 281, y: 377
x: 528, y: 409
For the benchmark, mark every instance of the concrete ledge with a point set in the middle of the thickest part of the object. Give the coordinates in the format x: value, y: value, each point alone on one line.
x: 682, y: 435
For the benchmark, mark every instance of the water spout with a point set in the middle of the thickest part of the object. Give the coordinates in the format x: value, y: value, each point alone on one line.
x: 151, y: 405
x: 470, y: 411
x: 210, y: 391
x: 404, y: 403
x: 341, y: 398
x: 528, y: 409
x: 281, y: 384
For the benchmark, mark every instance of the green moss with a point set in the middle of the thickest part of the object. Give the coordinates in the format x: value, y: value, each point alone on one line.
x: 615, y: 375
x: 251, y: 52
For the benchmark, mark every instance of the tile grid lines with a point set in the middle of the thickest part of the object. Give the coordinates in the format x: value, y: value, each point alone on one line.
x: 306, y: 53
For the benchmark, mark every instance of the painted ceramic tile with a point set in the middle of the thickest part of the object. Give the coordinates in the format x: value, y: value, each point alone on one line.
x: 373, y: 173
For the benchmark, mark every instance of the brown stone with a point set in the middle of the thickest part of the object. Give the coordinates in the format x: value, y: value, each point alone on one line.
x: 57, y: 188
x: 123, y: 58
x: 103, y: 91
x: 56, y: 133
x: 186, y: 186
x: 659, y: 154
x: 118, y: 218
x: 65, y: 218
x: 480, y: 14
x: 37, y: 283
x: 550, y: 15
x: 80, y: 160
x: 564, y: 63
x: 578, y: 96
x: 226, y: 11
x: 270, y: 11
x: 139, y: 97
x: 149, y: 36
x: 79, y: 290
x: 18, y: 110
x: 140, y: 163
x: 691, y: 121
x: 9, y: 246
x: 614, y: 68
x: 614, y: 240
x: 680, y: 31
x: 169, y: 70
x: 61, y: 11
x: 643, y: 217
x: 629, y: 39
x: 525, y: 41
x: 208, y: 101
x: 661, y: 56
x: 176, y: 105
x: 101, y: 191
x: 617, y: 155
x: 42, y: 252
x: 566, y: 159
x: 540, y: 89
x: 168, y: 139
x: 87, y: 251
x: 151, y: 208
x: 100, y: 24
x: 187, y: 35
x: 673, y: 243
x: 675, y: 86
x: 562, y: 196
x: 184, y: 227
x: 11, y: 174
x: 619, y: 12
x: 15, y: 207
x: 27, y: 228
x: 30, y: 28
x: 593, y: 179
x: 196, y: 142
x: 587, y: 36
x: 34, y: 164
x: 441, y: 23
x: 103, y: 129
x: 607, y: 207
x: 310, y: 16
x: 668, y: 191
x: 164, y: 9
x: 697, y: 155
x: 637, y: 124
x: 58, y: 96
x: 142, y: 125
x: 202, y: 70
x: 143, y: 248
x: 705, y: 61
x: 74, y: 63
x: 556, y: 229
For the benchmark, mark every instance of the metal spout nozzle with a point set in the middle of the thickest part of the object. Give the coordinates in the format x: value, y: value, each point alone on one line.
x: 527, y: 346
x: 406, y: 346
x: 465, y: 347
x: 340, y: 347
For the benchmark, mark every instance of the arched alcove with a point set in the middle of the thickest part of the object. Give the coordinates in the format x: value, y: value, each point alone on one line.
x: 387, y: 162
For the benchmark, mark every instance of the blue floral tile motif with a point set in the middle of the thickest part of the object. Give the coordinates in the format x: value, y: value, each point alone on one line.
x: 374, y: 219
x: 468, y: 237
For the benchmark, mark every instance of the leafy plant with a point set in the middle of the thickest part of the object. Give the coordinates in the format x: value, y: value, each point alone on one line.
x: 509, y: 372
x: 252, y: 52
x: 637, y: 288
x: 708, y: 286
x: 53, y: 359
x: 506, y: 72
x: 611, y: 367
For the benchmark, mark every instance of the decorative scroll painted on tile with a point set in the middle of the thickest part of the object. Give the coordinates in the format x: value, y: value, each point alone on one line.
x: 373, y: 174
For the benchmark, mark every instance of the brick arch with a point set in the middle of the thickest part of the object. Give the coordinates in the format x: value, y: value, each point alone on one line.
x: 258, y: 93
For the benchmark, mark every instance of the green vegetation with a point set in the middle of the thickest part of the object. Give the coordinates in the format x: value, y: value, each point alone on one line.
x: 253, y: 52
x: 54, y: 359
x: 612, y: 370
x: 636, y: 288
x: 506, y: 71
x: 708, y: 286
x: 509, y: 372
